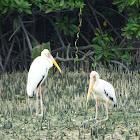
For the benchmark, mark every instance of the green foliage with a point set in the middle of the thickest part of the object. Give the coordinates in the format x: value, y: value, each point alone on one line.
x: 8, y: 6
x: 132, y: 28
x: 38, y: 49
x: 67, y: 25
x: 122, y: 4
x: 104, y: 49
x: 20, y: 6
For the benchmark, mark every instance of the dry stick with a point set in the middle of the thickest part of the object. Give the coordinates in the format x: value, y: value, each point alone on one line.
x: 57, y: 31
x: 73, y: 59
x: 93, y: 60
x: 33, y: 37
x: 24, y: 45
x: 93, y: 11
x: 20, y: 49
x: 59, y: 36
x: 86, y: 121
x: 84, y: 38
x: 95, y: 124
x: 26, y: 35
x: 113, y: 61
x: 1, y: 65
x: 114, y: 11
x: 73, y: 48
x: 14, y: 32
x: 3, y: 48
x: 9, y: 53
x: 91, y: 25
x: 108, y: 23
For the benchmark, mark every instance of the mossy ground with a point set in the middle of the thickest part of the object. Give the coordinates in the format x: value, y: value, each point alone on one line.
x: 65, y: 108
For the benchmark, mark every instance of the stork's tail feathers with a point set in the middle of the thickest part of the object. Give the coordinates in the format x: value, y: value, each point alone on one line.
x: 115, y: 105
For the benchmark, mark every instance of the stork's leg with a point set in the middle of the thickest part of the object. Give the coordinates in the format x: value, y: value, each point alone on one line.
x: 91, y: 119
x: 97, y: 122
x: 106, y: 110
x: 37, y: 101
x: 96, y: 109
x: 41, y: 102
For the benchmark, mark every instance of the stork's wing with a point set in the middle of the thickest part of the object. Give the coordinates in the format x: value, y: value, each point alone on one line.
x: 37, y: 73
x: 109, y: 91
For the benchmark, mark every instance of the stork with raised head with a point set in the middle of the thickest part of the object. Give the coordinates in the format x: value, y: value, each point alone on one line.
x: 103, y: 92
x: 37, y: 73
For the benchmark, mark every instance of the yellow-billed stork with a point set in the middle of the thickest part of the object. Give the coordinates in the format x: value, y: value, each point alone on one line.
x: 102, y: 91
x: 37, y: 73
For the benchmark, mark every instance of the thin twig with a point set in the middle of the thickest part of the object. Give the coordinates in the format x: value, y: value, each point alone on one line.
x: 109, y: 23
x: 93, y: 11
x: 9, y: 53
x: 26, y: 35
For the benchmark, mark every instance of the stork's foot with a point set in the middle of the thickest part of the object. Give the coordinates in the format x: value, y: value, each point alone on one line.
x: 40, y: 115
x: 86, y: 121
x: 97, y: 122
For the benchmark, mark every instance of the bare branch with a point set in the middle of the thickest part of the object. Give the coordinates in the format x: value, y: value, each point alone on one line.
x: 121, y: 64
x: 62, y: 49
x: 26, y: 35
x: 93, y: 11
x: 109, y: 24
x: 9, y: 53
x: 73, y: 59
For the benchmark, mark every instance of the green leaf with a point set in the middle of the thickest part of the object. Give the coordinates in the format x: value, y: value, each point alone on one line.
x: 96, y: 34
x: 107, y: 39
x: 20, y: 10
x: 98, y: 51
x: 134, y: 28
x: 99, y: 56
x: 111, y: 38
x: 125, y: 57
x: 139, y: 33
x: 130, y: 20
x: 101, y: 42
x: 94, y: 64
x: 97, y: 47
x: 48, y: 10
x: 107, y: 59
x: 98, y: 30
x: 95, y: 39
x: 61, y: 2
x: 106, y: 54
x: 28, y: 11
x: 132, y: 2
x: 4, y: 10
x: 123, y: 34
x: 17, y: 2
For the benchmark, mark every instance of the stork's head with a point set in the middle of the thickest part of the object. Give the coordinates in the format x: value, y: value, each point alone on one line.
x: 46, y: 53
x: 94, y: 76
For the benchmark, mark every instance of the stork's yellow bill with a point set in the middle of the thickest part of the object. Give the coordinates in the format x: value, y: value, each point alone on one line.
x: 89, y: 90
x: 54, y: 62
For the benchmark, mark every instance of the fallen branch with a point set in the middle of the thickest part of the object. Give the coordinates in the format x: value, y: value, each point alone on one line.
x: 73, y: 59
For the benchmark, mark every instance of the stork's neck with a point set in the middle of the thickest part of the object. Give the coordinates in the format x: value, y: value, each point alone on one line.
x: 50, y: 63
x: 96, y: 83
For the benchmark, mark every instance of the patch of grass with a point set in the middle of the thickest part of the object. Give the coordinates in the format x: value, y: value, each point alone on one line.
x: 65, y: 108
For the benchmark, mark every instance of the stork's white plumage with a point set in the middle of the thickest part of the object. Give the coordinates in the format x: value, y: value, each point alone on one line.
x: 102, y: 91
x: 37, y: 73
